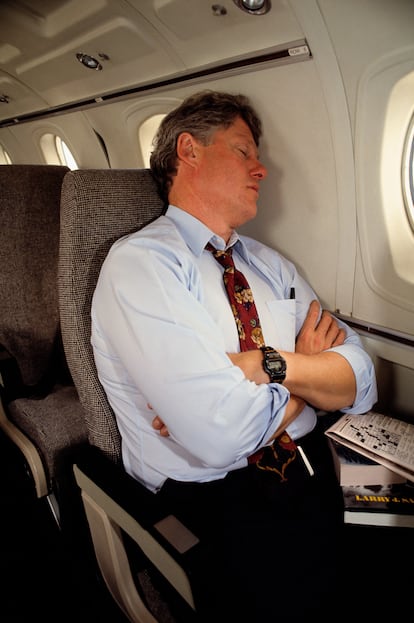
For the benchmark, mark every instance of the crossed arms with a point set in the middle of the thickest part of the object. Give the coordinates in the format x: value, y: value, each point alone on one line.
x: 315, y: 375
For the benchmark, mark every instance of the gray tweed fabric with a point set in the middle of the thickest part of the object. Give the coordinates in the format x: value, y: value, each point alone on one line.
x: 29, y: 247
x: 98, y: 207
x: 51, y: 417
x: 55, y: 424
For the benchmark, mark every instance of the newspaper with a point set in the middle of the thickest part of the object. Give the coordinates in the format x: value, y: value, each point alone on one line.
x: 383, y: 438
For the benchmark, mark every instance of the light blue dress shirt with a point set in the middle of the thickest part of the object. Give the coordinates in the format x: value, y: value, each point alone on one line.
x: 161, y: 328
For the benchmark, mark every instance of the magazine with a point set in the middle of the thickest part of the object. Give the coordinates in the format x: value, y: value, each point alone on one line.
x: 353, y: 468
x: 382, y: 438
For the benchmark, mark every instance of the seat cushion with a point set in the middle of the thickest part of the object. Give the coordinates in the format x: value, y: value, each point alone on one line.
x: 55, y: 424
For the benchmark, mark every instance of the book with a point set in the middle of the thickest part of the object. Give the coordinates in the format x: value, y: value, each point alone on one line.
x: 353, y: 468
x: 380, y: 505
x: 382, y: 438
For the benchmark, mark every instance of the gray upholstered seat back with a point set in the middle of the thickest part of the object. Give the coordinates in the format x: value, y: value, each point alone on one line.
x: 43, y: 417
x: 98, y: 207
x: 29, y: 246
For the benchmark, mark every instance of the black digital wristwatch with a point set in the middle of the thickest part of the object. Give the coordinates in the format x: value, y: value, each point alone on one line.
x: 273, y: 364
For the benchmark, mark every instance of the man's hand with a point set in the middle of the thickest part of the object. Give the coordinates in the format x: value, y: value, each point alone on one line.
x: 159, y: 425
x: 315, y: 337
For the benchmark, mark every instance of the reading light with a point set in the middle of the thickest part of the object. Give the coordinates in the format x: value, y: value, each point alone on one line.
x: 254, y: 7
x: 89, y: 61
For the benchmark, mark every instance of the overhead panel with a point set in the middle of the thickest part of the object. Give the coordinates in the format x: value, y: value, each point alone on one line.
x: 134, y: 42
x: 201, y: 33
x: 16, y: 98
x: 39, y: 43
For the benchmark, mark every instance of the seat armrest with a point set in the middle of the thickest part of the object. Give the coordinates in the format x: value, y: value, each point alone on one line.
x: 127, y: 505
x: 136, y: 499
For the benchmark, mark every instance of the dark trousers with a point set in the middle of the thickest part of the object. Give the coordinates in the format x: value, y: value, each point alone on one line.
x: 271, y: 551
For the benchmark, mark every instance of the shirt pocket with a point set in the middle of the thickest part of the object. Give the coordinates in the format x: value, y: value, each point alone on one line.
x: 283, y: 314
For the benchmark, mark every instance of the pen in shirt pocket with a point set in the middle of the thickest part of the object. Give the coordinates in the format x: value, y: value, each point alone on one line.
x: 292, y: 293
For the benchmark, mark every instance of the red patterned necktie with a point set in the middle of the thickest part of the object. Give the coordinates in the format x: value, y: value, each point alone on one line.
x: 283, y: 450
x: 241, y: 301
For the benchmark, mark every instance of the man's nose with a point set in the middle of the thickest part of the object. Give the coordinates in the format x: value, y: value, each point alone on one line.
x: 260, y: 171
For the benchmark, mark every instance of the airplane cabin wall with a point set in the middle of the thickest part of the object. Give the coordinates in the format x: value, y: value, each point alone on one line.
x: 376, y: 60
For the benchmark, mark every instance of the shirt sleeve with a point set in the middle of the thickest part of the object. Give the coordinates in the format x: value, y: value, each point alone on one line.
x: 363, y: 368
x: 352, y: 350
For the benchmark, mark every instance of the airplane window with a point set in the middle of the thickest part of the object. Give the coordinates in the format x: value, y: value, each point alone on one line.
x: 408, y: 172
x: 65, y: 155
x: 56, y: 151
x: 4, y: 156
x: 146, y: 133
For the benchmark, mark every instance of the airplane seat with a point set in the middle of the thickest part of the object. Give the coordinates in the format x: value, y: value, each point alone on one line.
x: 39, y: 409
x: 98, y: 207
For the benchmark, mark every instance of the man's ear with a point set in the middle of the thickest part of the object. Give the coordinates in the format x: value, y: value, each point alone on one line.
x: 186, y: 147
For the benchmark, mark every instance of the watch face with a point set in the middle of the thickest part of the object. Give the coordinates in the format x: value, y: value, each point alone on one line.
x: 277, y: 365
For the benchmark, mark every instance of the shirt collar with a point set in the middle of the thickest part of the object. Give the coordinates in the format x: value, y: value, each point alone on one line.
x: 196, y: 234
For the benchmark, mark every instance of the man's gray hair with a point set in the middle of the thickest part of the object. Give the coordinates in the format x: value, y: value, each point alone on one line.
x: 201, y: 115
